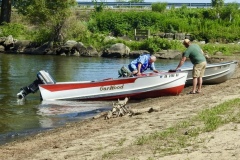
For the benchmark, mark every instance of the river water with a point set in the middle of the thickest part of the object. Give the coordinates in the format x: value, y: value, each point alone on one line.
x: 21, y: 118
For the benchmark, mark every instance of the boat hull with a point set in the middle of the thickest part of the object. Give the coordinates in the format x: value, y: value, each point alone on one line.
x: 147, y: 86
x: 215, y: 73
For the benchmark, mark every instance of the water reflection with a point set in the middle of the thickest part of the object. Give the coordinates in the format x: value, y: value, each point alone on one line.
x: 53, y: 111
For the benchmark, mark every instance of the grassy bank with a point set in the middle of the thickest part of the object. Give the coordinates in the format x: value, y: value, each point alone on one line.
x: 184, y: 134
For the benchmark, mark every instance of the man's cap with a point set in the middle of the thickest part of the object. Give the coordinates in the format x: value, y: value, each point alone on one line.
x: 186, y: 41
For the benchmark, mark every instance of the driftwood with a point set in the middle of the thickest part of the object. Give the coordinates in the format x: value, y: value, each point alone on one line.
x: 120, y: 109
x: 103, y: 114
x: 143, y: 110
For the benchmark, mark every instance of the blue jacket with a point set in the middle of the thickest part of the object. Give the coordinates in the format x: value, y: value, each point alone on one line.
x: 144, y: 60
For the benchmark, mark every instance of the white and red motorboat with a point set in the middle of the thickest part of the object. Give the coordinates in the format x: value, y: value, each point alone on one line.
x: 148, y: 85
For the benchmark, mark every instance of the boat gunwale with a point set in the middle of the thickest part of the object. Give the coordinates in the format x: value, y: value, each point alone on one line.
x: 116, y: 79
x: 211, y: 65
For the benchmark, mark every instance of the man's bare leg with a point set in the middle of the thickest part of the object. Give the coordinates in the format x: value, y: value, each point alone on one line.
x: 195, y: 81
x: 199, y: 84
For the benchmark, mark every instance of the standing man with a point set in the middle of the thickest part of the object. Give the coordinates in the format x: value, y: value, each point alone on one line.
x: 196, y: 55
x: 142, y: 63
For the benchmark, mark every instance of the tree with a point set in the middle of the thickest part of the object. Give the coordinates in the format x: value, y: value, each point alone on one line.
x: 230, y: 11
x: 47, y: 13
x: 159, y: 7
x: 217, y: 3
x: 98, y: 8
x: 6, y: 9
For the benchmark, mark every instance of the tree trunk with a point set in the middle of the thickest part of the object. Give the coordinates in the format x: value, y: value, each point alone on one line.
x: 6, y: 9
x: 57, y: 36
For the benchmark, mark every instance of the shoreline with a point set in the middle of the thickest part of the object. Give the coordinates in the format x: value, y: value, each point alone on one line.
x: 115, y: 138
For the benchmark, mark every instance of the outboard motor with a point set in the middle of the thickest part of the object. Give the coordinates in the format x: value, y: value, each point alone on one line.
x: 43, y: 77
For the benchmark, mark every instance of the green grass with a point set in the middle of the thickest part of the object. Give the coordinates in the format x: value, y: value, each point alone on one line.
x: 226, y: 49
x: 121, y: 141
x: 185, y: 133
x: 171, y: 140
x: 110, y: 154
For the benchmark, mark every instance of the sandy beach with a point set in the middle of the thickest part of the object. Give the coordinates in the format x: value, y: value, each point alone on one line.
x: 115, y: 138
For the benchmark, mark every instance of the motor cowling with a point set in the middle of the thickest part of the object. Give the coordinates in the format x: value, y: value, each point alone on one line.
x: 43, y: 77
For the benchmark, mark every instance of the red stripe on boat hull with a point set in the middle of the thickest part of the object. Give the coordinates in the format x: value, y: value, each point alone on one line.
x: 142, y: 95
x: 70, y: 86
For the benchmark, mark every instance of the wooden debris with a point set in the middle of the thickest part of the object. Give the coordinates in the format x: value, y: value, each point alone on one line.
x: 143, y: 110
x: 120, y: 109
x: 103, y: 114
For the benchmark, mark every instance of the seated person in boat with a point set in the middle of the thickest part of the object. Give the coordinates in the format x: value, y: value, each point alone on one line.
x: 142, y: 63
x: 196, y: 56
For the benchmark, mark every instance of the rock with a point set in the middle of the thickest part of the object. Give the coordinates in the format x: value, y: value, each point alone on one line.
x: 8, y: 42
x: 43, y: 49
x: 202, y: 42
x: 169, y: 35
x: 90, y: 52
x: 207, y: 56
x: 117, y: 50
x: 179, y: 36
x: 2, y: 48
x: 168, y: 54
x: 218, y: 53
x: 137, y: 53
x: 70, y: 48
x: 188, y: 36
x: 2, y: 40
x: 21, y: 45
x: 108, y: 38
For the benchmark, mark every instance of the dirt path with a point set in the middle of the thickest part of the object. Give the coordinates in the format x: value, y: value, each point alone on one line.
x: 92, y: 139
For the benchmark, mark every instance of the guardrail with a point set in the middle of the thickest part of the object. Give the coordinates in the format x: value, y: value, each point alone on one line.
x: 144, y: 4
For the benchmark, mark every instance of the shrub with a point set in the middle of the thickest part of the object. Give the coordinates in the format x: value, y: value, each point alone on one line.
x: 75, y: 30
x: 159, y: 7
x: 40, y: 35
x: 14, y: 29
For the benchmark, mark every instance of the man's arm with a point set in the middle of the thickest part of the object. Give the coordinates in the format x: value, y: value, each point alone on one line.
x: 153, y: 68
x: 139, y: 68
x: 181, y: 62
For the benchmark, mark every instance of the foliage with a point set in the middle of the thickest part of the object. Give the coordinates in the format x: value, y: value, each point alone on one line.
x: 95, y: 40
x: 122, y: 23
x: 211, y: 25
x: 40, y: 35
x: 75, y: 30
x: 217, y: 3
x: 152, y: 44
x: 226, y: 49
x: 98, y: 8
x: 159, y: 7
x: 156, y: 44
x: 203, y: 24
x: 44, y: 13
x: 230, y: 12
x: 14, y: 29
